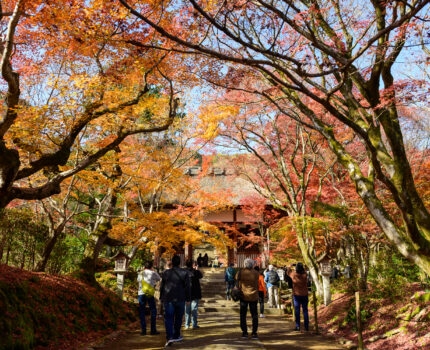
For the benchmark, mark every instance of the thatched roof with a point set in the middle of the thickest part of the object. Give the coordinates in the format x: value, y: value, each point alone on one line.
x: 233, y: 185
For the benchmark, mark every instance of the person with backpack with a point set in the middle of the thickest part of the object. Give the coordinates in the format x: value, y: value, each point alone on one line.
x: 247, y: 281
x: 261, y: 291
x: 229, y: 279
x: 288, y: 278
x: 272, y: 282
x: 300, y: 294
x: 191, y: 310
x: 147, y: 279
x: 175, y: 292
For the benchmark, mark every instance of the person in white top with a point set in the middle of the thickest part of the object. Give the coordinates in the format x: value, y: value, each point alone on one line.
x: 147, y: 279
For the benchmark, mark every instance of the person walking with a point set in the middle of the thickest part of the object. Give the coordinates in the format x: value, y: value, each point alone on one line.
x: 175, y: 293
x: 200, y: 260
x: 160, y: 302
x: 261, y: 290
x: 205, y: 260
x: 229, y: 279
x: 147, y: 279
x: 191, y: 309
x: 247, y: 280
x: 272, y: 282
x: 300, y: 294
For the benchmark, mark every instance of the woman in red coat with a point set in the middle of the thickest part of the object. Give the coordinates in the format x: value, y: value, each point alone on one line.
x: 261, y: 291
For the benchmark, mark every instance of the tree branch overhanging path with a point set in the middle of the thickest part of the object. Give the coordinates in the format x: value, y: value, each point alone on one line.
x: 70, y: 150
x: 335, y: 66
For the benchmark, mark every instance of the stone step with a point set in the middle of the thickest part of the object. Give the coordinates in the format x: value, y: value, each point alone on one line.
x: 219, y: 309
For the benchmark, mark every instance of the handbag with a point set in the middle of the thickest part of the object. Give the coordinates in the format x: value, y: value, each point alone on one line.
x: 236, y: 293
x: 147, y: 289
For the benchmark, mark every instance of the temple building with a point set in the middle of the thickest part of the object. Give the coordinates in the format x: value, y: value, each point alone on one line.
x: 224, y: 180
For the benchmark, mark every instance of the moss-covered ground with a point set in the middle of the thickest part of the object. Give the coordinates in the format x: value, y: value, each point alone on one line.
x: 54, y: 312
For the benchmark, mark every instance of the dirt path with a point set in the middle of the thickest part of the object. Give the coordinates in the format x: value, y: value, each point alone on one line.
x: 219, y: 322
x: 219, y: 332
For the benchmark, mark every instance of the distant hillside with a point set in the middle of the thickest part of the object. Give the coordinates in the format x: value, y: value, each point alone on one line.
x: 47, y: 311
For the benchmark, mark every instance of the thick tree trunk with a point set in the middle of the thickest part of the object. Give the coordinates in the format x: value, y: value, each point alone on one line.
x: 403, y: 244
x: 49, y: 247
x: 310, y: 261
x: 316, y: 280
x: 2, y: 246
x: 97, y: 239
x: 9, y: 166
x: 363, y: 269
x: 411, y: 248
x: 133, y: 253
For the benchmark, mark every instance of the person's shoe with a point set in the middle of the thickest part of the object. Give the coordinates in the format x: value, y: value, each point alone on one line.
x: 186, y: 327
x: 262, y: 316
x: 254, y: 336
x: 244, y: 335
x: 155, y: 333
x: 196, y: 327
x: 307, y: 329
x: 142, y: 333
x: 177, y: 339
x: 169, y: 343
x: 297, y: 329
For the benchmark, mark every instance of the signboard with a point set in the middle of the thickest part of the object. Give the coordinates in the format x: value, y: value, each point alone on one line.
x: 325, y: 268
x: 281, y: 274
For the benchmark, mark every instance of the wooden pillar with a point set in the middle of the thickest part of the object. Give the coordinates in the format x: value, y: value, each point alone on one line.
x: 188, y: 253
x: 235, y: 238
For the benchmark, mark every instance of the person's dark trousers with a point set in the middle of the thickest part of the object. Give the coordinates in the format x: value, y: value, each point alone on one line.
x: 254, y: 315
x: 143, y: 299
x: 303, y: 301
x: 261, y: 301
x: 230, y: 285
x: 173, y: 315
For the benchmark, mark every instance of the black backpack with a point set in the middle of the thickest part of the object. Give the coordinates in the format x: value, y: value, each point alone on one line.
x: 289, y: 281
x: 273, y: 278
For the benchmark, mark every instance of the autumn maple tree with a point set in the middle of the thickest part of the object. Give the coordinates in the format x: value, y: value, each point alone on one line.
x: 334, y: 62
x: 291, y: 172
x: 71, y: 94
x: 162, y: 205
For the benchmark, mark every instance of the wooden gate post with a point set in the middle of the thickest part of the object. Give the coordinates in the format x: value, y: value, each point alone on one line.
x: 359, y: 327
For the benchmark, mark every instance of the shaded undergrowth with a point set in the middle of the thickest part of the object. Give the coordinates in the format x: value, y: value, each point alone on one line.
x: 49, y: 311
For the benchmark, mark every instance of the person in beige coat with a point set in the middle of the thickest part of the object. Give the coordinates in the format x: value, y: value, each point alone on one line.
x: 247, y: 279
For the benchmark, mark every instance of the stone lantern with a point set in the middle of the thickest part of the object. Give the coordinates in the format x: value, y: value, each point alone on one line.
x: 325, y: 272
x: 121, y: 265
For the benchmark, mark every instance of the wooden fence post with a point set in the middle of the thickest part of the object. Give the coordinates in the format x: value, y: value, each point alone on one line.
x: 358, y: 314
x: 279, y: 298
x: 315, y: 311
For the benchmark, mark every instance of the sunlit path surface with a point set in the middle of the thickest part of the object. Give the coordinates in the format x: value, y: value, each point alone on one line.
x: 219, y: 328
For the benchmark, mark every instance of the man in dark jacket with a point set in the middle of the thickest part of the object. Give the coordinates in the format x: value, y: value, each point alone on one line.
x: 196, y: 294
x: 175, y: 291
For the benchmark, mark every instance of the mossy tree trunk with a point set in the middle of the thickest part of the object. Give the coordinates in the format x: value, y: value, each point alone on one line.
x: 99, y: 234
